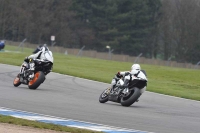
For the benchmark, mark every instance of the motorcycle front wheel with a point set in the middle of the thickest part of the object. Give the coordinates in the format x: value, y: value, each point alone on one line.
x: 104, y: 96
x: 131, y: 97
x: 39, y: 78
x: 16, y: 81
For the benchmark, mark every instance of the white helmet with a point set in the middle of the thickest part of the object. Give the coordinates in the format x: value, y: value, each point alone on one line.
x: 135, y: 67
x: 44, y: 48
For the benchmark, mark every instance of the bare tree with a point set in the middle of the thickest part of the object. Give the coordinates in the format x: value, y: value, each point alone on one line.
x: 179, y: 28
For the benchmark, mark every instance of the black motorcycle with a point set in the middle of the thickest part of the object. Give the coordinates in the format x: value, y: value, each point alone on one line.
x: 126, y: 91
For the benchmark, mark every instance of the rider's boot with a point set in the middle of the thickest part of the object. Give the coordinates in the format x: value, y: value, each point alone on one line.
x: 32, y: 69
x: 124, y: 87
x: 31, y: 76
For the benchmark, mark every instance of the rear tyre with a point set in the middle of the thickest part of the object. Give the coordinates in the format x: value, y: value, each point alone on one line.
x: 131, y: 97
x: 39, y: 78
x: 16, y: 81
x: 103, y: 97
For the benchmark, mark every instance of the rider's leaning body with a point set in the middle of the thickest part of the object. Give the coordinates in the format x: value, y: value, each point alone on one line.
x: 135, y: 69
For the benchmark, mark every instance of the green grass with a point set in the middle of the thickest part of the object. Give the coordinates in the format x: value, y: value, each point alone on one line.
x: 177, y: 82
x: 41, y: 125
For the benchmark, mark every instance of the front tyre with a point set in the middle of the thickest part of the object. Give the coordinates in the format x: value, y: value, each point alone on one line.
x: 104, y: 96
x: 16, y: 81
x: 39, y: 78
x: 130, y: 98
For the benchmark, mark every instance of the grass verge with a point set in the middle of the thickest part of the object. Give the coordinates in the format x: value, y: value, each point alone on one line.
x: 41, y: 125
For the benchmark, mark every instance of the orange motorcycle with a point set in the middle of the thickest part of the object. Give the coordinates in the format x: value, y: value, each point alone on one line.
x: 33, y: 77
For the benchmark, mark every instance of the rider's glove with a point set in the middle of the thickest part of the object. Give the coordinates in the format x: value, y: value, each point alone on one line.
x: 119, y: 75
x: 26, y: 59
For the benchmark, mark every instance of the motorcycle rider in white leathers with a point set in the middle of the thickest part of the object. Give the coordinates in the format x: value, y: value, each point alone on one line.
x: 135, y: 70
x: 39, y: 56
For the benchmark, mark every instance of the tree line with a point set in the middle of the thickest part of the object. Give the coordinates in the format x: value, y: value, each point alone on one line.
x: 164, y: 29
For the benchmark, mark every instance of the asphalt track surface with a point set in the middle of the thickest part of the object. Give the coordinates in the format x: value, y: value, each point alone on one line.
x: 75, y: 98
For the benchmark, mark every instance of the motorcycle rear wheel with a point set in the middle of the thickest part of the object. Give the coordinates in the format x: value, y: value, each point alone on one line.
x: 131, y: 97
x: 39, y: 78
